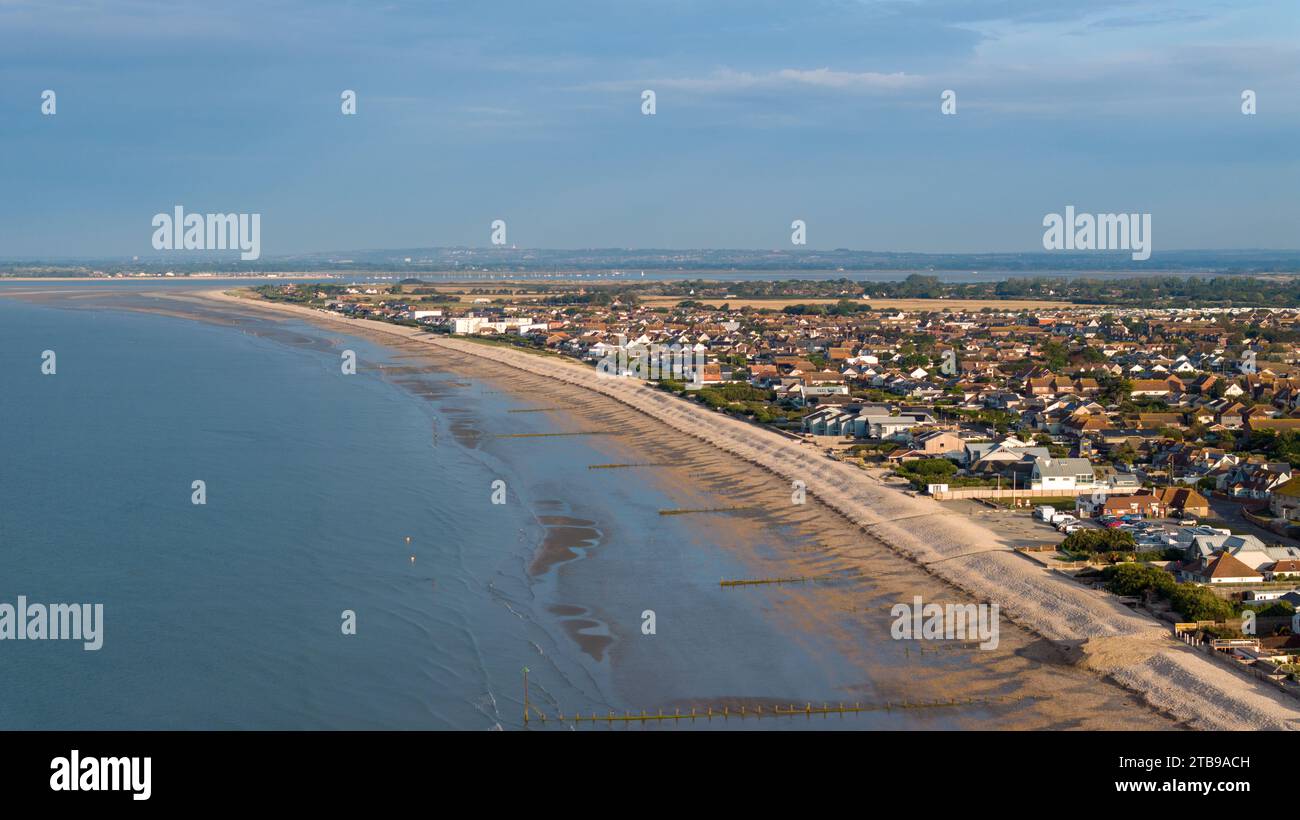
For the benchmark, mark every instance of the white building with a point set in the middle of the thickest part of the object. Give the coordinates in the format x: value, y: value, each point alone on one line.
x: 1068, y: 475
x: 474, y: 324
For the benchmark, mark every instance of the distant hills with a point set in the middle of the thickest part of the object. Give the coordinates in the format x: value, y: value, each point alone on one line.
x: 506, y: 259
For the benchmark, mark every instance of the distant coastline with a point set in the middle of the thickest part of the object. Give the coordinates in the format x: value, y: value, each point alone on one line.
x: 623, y: 263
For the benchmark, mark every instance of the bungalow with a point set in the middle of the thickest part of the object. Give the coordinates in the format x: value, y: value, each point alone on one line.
x: 763, y: 373
x: 1081, y: 424
x: 1008, y: 451
x: 1154, y: 421
x: 1157, y: 387
x: 1144, y: 504
x: 804, y: 392
x: 878, y: 426
x: 1255, y: 424
x: 1283, y: 570
x: 1247, y: 549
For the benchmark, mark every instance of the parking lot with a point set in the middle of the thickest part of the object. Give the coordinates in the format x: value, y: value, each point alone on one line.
x: 1019, y: 527
x: 1022, y: 529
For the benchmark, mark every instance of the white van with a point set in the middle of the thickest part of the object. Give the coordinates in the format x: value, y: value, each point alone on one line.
x: 1045, y: 512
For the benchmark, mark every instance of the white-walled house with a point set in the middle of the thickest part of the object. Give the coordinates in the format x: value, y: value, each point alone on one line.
x: 1065, y: 474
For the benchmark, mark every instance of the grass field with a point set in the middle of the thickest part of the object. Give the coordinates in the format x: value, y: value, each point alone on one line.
x: 876, y: 304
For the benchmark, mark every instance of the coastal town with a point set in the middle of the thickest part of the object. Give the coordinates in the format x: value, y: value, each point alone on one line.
x: 1146, y: 451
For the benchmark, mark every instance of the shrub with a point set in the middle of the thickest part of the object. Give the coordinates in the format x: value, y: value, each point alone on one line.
x: 930, y: 467
x: 1199, y: 604
x: 1273, y: 608
x: 1107, y: 540
x: 1135, y: 579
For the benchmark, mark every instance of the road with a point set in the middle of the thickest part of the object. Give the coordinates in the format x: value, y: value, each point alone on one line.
x: 1229, y: 513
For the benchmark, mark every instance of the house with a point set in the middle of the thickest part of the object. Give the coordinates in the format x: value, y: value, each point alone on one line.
x: 1183, y: 501
x: 1066, y: 474
x: 878, y: 426
x: 1155, y: 421
x: 1123, y: 481
x: 1232, y: 415
x: 863, y: 421
x: 1255, y: 424
x: 939, y: 443
x: 986, y: 454
x: 1247, y: 549
x: 1282, y: 570
x: 1157, y: 388
x: 1144, y: 504
x: 809, y: 391
x: 1284, y: 502
x: 830, y: 421
x: 1253, y: 479
x: 1221, y: 568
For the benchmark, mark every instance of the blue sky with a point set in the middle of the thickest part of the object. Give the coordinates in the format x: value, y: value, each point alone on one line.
x: 821, y: 110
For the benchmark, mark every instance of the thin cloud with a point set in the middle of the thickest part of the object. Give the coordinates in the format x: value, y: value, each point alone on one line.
x: 725, y: 80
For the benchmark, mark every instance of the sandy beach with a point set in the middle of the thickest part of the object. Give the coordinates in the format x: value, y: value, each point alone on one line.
x: 1092, y: 629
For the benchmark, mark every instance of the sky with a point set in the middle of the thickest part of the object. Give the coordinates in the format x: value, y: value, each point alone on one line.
x: 828, y: 111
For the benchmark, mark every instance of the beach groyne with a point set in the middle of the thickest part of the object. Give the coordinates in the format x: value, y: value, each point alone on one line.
x: 1098, y: 631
